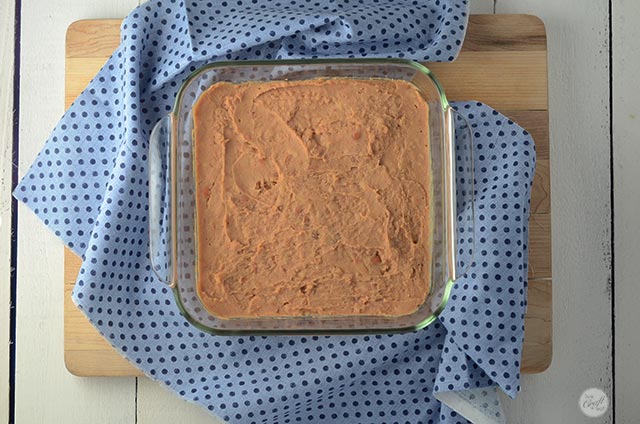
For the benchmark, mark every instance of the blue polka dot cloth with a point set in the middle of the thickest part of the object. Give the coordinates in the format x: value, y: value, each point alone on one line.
x: 89, y: 185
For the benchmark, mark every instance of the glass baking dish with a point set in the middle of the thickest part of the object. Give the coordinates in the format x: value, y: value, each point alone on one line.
x: 172, y: 211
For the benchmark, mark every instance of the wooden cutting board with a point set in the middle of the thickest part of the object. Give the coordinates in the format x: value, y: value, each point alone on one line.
x: 503, y: 63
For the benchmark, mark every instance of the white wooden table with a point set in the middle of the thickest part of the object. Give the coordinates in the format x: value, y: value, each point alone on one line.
x: 583, y: 89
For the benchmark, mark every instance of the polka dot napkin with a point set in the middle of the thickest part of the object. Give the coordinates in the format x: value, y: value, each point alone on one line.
x: 89, y: 185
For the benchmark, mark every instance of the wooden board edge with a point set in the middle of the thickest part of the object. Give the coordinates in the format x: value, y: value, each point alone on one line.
x: 532, y: 37
x: 542, y: 365
x: 540, y: 201
x: 88, y: 26
x: 535, y: 20
x: 81, y: 363
x: 540, y: 236
x: 536, y: 122
x: 543, y: 351
x: 538, y: 21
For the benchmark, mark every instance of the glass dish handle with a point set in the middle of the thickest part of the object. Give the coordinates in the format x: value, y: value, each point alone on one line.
x: 460, y: 233
x: 160, y: 216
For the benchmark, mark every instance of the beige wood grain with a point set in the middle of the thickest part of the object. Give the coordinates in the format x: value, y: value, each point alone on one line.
x: 6, y: 168
x: 537, y: 123
x: 86, y: 38
x: 523, y: 33
x: 512, y: 80
x: 537, y: 327
x: 539, y: 246
x: 86, y: 352
x: 483, y: 76
x: 540, y: 192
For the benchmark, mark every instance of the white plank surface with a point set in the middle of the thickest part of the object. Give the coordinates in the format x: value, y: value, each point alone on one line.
x: 626, y: 147
x: 577, y: 37
x: 6, y: 139
x: 578, y: 49
x: 156, y: 404
x: 45, y: 391
x: 481, y: 6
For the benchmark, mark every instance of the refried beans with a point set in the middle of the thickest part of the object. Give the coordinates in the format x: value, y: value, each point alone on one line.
x: 313, y: 198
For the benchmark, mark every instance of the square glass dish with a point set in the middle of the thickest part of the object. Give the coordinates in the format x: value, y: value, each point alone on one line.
x: 173, y: 212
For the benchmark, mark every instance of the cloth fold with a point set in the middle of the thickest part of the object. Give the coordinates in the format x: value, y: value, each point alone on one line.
x: 89, y: 185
